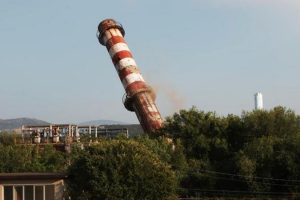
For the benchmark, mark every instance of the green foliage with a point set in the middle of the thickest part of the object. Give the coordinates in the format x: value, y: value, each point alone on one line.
x: 171, y: 152
x: 258, y: 144
x: 196, y: 151
x: 29, y: 158
x: 9, y: 138
x: 120, y: 169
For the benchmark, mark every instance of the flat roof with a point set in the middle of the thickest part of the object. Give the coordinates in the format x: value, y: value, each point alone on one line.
x: 32, y: 176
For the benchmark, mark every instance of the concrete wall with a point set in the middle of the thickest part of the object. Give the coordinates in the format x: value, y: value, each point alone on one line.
x: 1, y: 193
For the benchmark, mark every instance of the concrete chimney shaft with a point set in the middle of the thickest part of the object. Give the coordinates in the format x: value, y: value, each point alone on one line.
x: 139, y: 97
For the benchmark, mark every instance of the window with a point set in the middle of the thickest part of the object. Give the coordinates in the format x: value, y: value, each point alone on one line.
x: 49, y: 192
x: 39, y: 193
x: 29, y: 192
x: 8, y: 192
x: 18, y: 193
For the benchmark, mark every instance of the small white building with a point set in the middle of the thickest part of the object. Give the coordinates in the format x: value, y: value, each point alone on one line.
x: 258, y: 101
x: 32, y: 186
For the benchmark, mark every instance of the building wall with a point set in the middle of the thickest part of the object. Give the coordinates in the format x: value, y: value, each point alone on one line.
x: 59, y: 191
x: 42, y: 190
x: 1, y: 192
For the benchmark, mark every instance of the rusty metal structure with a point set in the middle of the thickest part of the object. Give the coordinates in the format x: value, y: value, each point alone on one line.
x: 62, y: 136
x: 139, y: 97
x: 67, y: 133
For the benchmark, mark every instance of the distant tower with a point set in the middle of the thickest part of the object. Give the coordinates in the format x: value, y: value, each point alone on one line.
x: 258, y: 99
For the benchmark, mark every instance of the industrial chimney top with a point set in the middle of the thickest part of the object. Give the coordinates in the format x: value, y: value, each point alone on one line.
x: 139, y: 97
x: 108, y: 24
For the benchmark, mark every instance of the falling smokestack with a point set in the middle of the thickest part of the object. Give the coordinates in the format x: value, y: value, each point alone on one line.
x: 258, y: 101
x: 139, y: 97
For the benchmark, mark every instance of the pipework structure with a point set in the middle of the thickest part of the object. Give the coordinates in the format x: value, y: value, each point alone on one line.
x: 139, y: 97
x: 67, y: 133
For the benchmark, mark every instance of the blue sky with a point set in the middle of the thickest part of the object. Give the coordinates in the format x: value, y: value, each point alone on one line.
x: 214, y: 54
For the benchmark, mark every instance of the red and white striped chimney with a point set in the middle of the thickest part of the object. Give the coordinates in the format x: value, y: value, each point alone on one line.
x: 139, y: 96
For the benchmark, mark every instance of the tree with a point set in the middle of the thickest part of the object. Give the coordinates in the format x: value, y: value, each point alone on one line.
x: 205, y: 145
x: 9, y: 138
x: 120, y: 169
x: 27, y: 158
x: 260, y: 143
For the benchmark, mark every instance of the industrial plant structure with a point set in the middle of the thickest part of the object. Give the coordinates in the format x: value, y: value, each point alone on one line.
x: 139, y: 97
x: 65, y: 134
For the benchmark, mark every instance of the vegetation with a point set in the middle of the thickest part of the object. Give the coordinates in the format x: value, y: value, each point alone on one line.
x: 120, y: 169
x: 252, y: 155
x: 257, y: 153
x: 15, y: 158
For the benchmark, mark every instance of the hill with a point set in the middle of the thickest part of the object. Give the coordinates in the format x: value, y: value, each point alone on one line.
x: 133, y: 129
x: 100, y: 122
x: 9, y: 124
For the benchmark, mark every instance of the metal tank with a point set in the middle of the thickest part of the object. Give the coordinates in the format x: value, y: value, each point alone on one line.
x: 139, y: 97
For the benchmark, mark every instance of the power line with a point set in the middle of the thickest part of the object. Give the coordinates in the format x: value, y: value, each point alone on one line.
x: 240, y: 180
x: 254, y: 177
x: 241, y: 191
